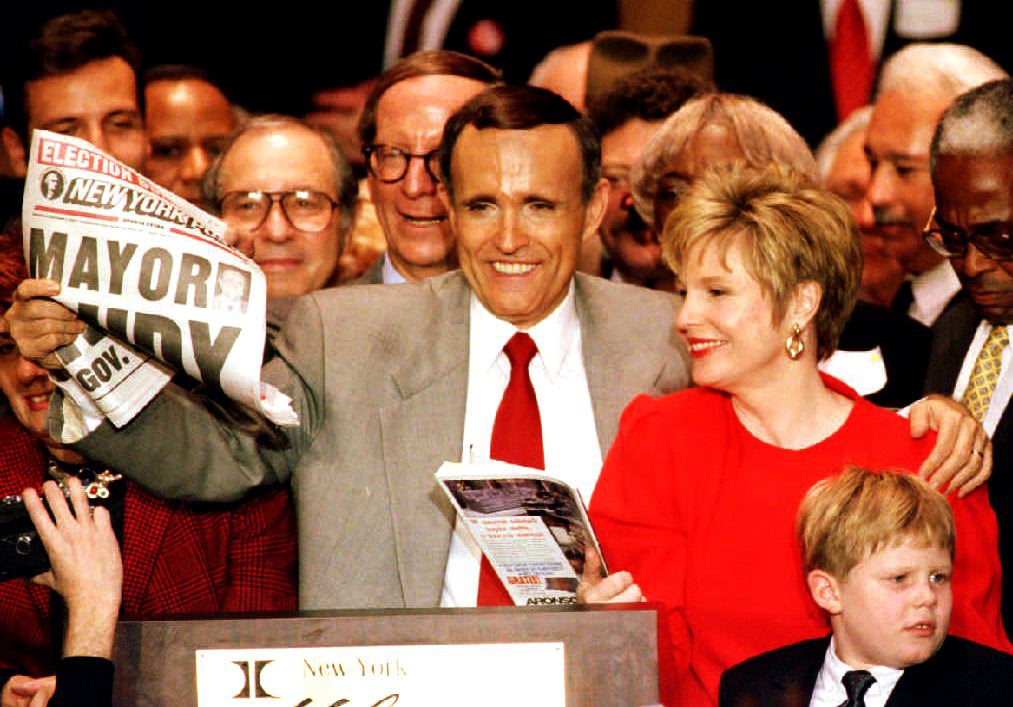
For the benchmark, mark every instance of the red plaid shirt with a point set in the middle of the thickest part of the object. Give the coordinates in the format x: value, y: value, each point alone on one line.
x: 177, y: 557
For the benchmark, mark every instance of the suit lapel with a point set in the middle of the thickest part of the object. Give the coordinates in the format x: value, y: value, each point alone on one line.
x: 423, y: 426
x: 616, y: 370
x: 950, y: 344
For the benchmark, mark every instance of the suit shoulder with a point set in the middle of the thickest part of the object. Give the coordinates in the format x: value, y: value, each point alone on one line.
x: 618, y: 293
x: 961, y: 672
x: 386, y: 309
x: 975, y: 661
x: 870, y: 326
x: 780, y: 658
x: 958, y: 315
x: 752, y: 674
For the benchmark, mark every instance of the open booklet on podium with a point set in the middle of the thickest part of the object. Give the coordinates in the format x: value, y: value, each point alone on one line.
x: 532, y: 527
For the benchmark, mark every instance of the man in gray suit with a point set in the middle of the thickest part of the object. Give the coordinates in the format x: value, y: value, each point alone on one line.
x: 390, y: 382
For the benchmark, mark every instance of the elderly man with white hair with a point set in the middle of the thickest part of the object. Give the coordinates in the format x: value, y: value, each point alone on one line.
x: 916, y: 85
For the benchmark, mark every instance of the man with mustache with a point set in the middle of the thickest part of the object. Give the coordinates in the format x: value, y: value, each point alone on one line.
x: 916, y: 85
x: 972, y: 172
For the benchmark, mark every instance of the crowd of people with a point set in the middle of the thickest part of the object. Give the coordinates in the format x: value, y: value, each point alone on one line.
x: 660, y: 293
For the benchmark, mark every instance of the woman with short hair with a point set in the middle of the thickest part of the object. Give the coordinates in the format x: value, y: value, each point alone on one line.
x: 698, y: 495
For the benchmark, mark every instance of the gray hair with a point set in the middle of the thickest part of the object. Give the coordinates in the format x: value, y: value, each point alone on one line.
x: 827, y: 151
x: 980, y: 122
x: 345, y: 184
x: 763, y: 135
x: 941, y: 69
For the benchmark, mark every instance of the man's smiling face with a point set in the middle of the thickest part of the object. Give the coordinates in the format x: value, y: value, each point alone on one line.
x: 520, y: 217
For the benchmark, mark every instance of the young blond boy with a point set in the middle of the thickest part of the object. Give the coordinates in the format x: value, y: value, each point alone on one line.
x: 878, y: 553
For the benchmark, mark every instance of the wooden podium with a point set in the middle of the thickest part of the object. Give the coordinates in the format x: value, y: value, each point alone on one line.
x: 611, y: 655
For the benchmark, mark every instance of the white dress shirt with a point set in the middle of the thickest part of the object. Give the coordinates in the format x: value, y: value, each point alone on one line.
x: 390, y: 274
x: 932, y: 290
x: 569, y: 437
x: 830, y: 692
x: 1003, y: 387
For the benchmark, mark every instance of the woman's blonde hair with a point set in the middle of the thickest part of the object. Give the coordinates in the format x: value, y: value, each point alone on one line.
x: 793, y: 232
x: 843, y: 521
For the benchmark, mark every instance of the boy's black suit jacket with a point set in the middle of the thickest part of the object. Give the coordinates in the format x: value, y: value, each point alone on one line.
x: 960, y: 673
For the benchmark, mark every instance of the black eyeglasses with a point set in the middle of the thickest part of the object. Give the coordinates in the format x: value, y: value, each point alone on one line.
x: 305, y: 209
x: 993, y: 240
x: 389, y: 164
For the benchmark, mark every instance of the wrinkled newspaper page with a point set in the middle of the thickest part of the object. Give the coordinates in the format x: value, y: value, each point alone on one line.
x: 533, y: 528
x: 152, y: 277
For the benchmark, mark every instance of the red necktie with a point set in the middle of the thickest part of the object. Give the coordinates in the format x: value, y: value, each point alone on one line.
x: 851, y: 66
x: 516, y: 438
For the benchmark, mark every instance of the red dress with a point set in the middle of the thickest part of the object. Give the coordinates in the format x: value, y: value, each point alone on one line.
x: 702, y: 514
x: 178, y: 558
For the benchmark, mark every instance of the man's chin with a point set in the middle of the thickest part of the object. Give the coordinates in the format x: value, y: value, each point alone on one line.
x: 996, y: 314
x: 430, y: 252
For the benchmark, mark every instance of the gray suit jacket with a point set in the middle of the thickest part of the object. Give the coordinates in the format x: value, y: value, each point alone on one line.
x: 379, y: 378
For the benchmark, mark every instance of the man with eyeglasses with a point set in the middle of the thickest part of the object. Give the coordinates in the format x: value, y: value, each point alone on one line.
x: 972, y: 226
x: 288, y: 197
x: 915, y: 87
x: 400, y: 130
x: 390, y: 382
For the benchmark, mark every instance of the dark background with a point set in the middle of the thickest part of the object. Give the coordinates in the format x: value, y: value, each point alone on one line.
x: 273, y: 59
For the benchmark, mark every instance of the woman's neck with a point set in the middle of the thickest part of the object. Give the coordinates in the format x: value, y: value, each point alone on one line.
x: 794, y: 411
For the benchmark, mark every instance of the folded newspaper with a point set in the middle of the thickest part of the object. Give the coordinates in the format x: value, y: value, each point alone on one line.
x: 532, y: 527
x: 153, y: 278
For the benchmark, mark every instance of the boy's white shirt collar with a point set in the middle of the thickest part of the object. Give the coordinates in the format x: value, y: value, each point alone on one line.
x: 829, y: 690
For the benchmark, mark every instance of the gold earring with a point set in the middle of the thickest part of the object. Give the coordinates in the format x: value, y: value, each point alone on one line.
x: 794, y: 346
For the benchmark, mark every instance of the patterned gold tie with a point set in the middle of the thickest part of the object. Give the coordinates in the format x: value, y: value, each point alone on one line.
x: 985, y: 373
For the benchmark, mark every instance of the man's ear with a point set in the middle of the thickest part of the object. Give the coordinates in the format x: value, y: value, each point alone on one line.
x: 805, y: 302
x: 444, y: 196
x: 15, y: 150
x: 594, y: 212
x: 825, y: 590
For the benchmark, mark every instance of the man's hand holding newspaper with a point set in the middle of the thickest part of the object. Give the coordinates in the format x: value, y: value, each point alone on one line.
x: 131, y: 283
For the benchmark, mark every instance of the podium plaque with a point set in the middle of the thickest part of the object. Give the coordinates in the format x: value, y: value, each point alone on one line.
x: 610, y: 650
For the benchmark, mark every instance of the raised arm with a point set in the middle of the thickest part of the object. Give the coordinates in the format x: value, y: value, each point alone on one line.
x: 87, y: 572
x: 182, y: 445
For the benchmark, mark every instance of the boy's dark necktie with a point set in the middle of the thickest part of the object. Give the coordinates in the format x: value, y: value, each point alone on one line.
x: 857, y: 683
